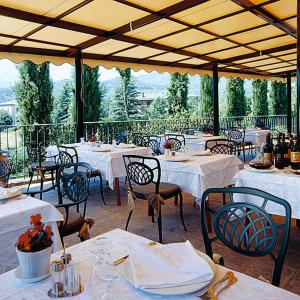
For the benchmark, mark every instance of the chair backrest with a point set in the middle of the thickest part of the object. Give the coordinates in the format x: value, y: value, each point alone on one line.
x: 140, y: 139
x: 36, y: 152
x: 245, y: 226
x: 222, y: 149
x: 73, y: 181
x: 211, y: 143
x: 236, y: 134
x: 142, y: 170
x: 5, y: 169
x: 178, y: 140
x: 154, y: 143
x: 66, y: 155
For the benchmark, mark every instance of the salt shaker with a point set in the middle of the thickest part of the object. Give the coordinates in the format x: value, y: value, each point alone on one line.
x: 72, y: 277
x: 57, y: 278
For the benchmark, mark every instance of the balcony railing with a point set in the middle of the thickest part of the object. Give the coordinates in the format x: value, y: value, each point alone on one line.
x: 15, y: 138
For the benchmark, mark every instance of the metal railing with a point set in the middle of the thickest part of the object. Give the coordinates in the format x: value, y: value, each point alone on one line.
x: 15, y: 138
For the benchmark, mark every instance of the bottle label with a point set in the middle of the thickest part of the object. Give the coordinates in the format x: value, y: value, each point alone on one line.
x: 295, y: 157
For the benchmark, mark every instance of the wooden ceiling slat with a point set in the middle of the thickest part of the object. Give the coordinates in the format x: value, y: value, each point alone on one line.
x: 51, y: 22
x: 267, y: 16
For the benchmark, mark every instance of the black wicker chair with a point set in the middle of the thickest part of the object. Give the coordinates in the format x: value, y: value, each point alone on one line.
x: 247, y: 227
x: 69, y: 155
x: 177, y: 140
x: 143, y: 175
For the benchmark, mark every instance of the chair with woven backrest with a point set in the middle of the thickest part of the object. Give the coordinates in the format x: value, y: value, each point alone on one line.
x: 72, y: 183
x: 154, y: 144
x: 144, y: 175
x: 140, y: 139
x: 177, y: 140
x: 67, y: 154
x: 5, y: 168
x: 40, y: 163
x: 246, y: 227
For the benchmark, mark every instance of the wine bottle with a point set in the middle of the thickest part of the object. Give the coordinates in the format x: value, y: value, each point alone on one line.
x: 285, y: 151
x: 269, y: 149
x: 295, y: 155
x: 279, y: 157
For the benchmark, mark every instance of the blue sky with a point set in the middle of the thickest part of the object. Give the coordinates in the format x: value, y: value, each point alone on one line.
x: 9, y: 73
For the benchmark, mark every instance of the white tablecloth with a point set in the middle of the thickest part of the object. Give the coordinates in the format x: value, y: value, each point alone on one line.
x: 110, y: 163
x: 285, y: 186
x: 201, y: 173
x: 246, y: 288
x: 14, y: 220
x: 256, y: 136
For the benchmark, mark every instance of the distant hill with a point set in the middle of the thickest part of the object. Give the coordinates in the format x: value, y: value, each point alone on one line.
x: 152, y: 84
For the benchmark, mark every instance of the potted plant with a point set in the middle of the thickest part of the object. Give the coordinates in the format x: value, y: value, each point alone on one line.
x: 167, y: 146
x: 34, y: 248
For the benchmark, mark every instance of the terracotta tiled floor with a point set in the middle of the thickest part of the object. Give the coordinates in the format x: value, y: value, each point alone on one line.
x: 110, y: 216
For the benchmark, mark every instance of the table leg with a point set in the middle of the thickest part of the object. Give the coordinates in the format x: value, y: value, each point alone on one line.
x: 118, y: 194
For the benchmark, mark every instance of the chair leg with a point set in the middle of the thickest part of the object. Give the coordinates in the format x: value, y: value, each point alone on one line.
x: 30, y: 180
x: 181, y: 210
x: 128, y: 219
x: 152, y: 214
x: 52, y: 177
x: 159, y: 223
x: 244, y: 155
x: 41, y: 187
x: 101, y: 189
x: 176, y: 200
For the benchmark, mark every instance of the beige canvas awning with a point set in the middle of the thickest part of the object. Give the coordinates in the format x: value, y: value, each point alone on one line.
x: 253, y: 39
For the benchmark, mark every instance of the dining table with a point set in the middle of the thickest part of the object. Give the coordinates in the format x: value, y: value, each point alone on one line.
x: 282, y: 183
x: 194, y: 142
x: 15, y: 216
x: 256, y: 136
x: 198, y: 173
x: 106, y: 158
x: 246, y: 287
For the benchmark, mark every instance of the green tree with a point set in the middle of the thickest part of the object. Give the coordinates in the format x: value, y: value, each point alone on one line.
x: 5, y: 118
x: 34, y: 93
x: 61, y: 105
x: 278, y: 98
x: 158, y: 108
x: 124, y: 104
x: 235, y: 97
x: 206, y: 96
x: 177, y: 94
x: 92, y: 93
x: 260, y: 97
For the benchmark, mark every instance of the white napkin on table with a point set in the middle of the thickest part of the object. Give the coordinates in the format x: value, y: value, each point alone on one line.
x: 167, y: 265
x: 6, y: 193
x: 202, y: 152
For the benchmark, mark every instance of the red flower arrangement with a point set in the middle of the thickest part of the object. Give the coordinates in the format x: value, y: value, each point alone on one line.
x: 35, y: 238
x: 92, y: 139
x: 168, y: 144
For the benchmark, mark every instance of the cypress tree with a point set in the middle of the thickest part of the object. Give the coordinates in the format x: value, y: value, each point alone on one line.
x: 177, y: 93
x: 260, y: 97
x: 61, y: 105
x: 92, y: 93
x: 34, y: 93
x: 235, y: 97
x: 206, y: 96
x: 278, y: 98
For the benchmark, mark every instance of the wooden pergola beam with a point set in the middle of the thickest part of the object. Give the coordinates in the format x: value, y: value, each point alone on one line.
x: 253, y: 54
x: 267, y: 16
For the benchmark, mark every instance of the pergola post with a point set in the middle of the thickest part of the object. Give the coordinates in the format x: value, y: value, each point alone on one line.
x: 289, y: 103
x: 298, y: 71
x: 78, y: 95
x: 216, y: 99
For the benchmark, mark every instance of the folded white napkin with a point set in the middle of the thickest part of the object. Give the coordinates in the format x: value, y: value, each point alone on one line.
x: 202, y: 152
x: 6, y: 193
x: 167, y: 265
